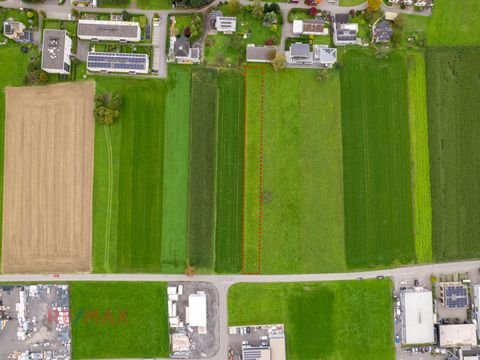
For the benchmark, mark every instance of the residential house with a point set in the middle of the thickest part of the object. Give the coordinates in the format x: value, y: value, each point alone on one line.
x: 226, y: 24
x: 56, y: 51
x: 321, y: 56
x: 16, y: 31
x: 184, y: 53
x: 325, y: 56
x: 310, y: 27
x: 264, y: 54
x: 382, y: 32
x: 117, y: 62
x: 299, y: 54
x: 107, y: 30
x: 344, y: 33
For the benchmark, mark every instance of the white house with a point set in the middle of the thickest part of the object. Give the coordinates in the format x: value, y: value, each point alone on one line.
x: 107, y: 30
x: 56, y: 51
x: 226, y: 24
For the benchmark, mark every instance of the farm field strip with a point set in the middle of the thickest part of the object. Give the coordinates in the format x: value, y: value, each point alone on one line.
x: 253, y: 173
x: 318, y: 317
x: 230, y: 123
x: 176, y: 164
x: 453, y: 80
x: 47, y: 220
x: 202, y: 175
x: 376, y: 152
x: 418, y: 121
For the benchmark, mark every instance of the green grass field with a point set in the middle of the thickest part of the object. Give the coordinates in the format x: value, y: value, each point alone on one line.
x: 176, y: 164
x: 323, y: 321
x: 13, y: 71
x: 418, y: 121
x: 454, y: 23
x: 203, y: 138
x: 109, y: 321
x: 302, y: 193
x: 453, y: 80
x: 351, y: 2
x: 376, y: 153
x: 230, y: 129
x: 128, y: 191
x: 154, y: 4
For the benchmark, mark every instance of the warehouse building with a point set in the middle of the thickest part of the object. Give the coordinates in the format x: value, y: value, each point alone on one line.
x: 458, y: 335
x: 117, y: 62
x: 106, y: 30
x: 417, y: 316
x: 56, y: 51
x: 454, y: 295
x: 197, y: 311
x: 476, y: 299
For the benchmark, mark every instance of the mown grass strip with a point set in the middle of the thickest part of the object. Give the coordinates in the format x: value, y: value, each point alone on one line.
x: 228, y: 232
x: 176, y: 164
x: 203, y: 138
x: 422, y: 205
x: 376, y: 160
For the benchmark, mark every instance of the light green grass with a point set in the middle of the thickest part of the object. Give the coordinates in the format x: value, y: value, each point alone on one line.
x: 454, y: 23
x: 453, y: 80
x: 351, y: 2
x: 137, y: 328
x: 127, y: 234
x: 176, y: 157
x: 417, y: 109
x: 228, y: 229
x: 154, y: 4
x: 14, y: 68
x: 202, y: 175
x: 376, y: 153
x: 323, y: 321
x: 302, y: 194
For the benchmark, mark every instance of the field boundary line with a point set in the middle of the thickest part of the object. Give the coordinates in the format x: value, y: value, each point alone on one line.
x: 110, y: 196
x: 260, y: 169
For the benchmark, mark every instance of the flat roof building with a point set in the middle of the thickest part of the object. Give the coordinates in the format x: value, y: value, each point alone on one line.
x: 458, y: 335
x: 108, y: 30
x: 417, y: 312
x: 277, y: 347
x: 454, y: 295
x: 226, y: 24
x: 117, y: 62
x: 256, y: 353
x: 264, y: 54
x: 56, y: 51
x: 197, y: 310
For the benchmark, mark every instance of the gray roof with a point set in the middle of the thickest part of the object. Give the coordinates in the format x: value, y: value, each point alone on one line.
x: 114, y: 29
x: 261, y: 53
x: 328, y: 55
x: 341, y: 18
x: 53, y: 49
x: 383, y: 31
x: 300, y: 50
x: 181, y: 47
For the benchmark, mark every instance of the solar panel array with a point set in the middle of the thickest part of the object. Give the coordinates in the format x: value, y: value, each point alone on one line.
x: 117, y: 61
x: 456, y: 296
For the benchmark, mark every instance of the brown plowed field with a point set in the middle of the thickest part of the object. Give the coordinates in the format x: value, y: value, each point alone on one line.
x: 47, y: 205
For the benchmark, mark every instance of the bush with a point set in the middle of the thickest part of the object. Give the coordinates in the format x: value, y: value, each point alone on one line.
x: 313, y: 11
x: 187, y: 32
x: 142, y: 20
x: 269, y: 42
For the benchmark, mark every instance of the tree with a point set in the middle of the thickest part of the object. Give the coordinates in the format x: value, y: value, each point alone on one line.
x: 142, y: 20
x: 270, y: 17
x: 275, y: 8
x: 42, y: 13
x: 279, y: 62
x: 187, y: 32
x: 374, y: 5
x: 323, y: 75
x: 125, y: 15
x: 105, y: 115
x: 234, y: 6
x: 400, y: 20
x: 269, y: 42
x: 257, y: 9
x: 75, y: 13
x: 352, y: 13
x: 107, y: 108
x: 313, y: 11
x: 190, y: 270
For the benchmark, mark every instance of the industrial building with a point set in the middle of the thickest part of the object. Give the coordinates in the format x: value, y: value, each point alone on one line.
x: 417, y: 316
x: 56, y: 51
x: 476, y: 300
x: 458, y: 335
x: 117, y: 62
x: 197, y: 312
x: 107, y: 30
x: 257, y: 342
x: 454, y: 295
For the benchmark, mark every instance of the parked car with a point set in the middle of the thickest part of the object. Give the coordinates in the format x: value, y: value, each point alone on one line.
x: 380, y: 277
x: 416, y: 282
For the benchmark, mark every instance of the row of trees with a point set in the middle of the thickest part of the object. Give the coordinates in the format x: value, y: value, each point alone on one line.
x: 107, y: 107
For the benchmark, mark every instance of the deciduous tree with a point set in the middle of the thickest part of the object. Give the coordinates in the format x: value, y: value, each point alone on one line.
x: 374, y: 5
x: 279, y: 62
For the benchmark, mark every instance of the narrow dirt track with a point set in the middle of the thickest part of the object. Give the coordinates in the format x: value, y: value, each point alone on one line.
x: 48, y: 178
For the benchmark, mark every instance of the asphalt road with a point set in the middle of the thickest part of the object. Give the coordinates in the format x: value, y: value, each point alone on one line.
x: 223, y: 282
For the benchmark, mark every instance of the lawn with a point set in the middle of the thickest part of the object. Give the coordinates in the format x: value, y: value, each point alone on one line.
x: 230, y: 138
x: 302, y: 187
x: 454, y: 23
x: 203, y: 142
x: 120, y: 4
x: 453, y: 80
x: 351, y: 2
x: 110, y: 321
x: 154, y: 4
x: 176, y: 165
x: 128, y: 197
x: 376, y: 161
x: 417, y: 109
x: 15, y: 68
x: 323, y: 321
